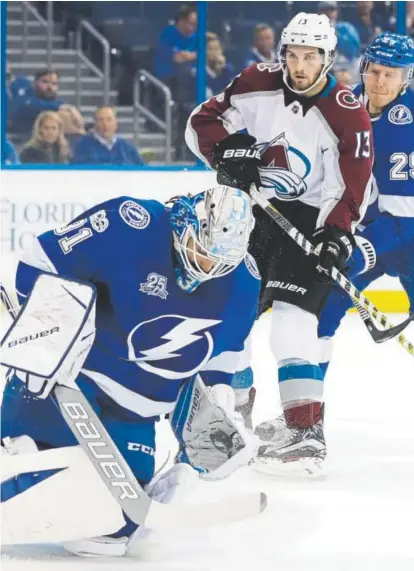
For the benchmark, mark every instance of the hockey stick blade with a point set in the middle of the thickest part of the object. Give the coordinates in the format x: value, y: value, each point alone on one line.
x: 382, y: 336
x: 235, y: 508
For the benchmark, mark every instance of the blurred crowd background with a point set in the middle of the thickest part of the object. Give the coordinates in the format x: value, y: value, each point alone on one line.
x: 114, y: 82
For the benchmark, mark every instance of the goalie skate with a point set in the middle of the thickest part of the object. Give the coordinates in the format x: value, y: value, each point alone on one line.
x: 286, y: 450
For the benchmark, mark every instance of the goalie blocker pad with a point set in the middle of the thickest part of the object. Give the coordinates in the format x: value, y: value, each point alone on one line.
x: 53, y: 332
x: 212, y: 436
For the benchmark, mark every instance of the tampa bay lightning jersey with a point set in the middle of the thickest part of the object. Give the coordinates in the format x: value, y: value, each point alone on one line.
x: 151, y: 335
x: 393, y: 167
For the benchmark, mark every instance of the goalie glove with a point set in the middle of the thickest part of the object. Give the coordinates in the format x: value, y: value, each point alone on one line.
x: 211, y: 435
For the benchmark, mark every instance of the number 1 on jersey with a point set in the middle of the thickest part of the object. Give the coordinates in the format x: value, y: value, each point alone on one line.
x: 67, y: 243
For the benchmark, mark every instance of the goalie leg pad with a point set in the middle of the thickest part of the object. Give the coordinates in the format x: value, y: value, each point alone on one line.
x: 53, y: 496
x: 211, y: 435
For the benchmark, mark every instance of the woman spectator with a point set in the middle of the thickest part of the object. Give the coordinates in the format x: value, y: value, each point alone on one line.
x: 73, y: 125
x: 47, y: 144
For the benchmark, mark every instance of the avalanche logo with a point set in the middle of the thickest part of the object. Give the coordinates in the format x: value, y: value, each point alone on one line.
x: 171, y: 346
x: 286, y: 168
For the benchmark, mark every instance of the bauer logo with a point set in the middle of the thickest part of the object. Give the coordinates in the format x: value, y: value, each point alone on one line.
x: 194, y: 409
x: 400, y: 115
x: 28, y: 338
x: 100, y: 449
x: 287, y: 286
x: 134, y: 214
x: 241, y: 153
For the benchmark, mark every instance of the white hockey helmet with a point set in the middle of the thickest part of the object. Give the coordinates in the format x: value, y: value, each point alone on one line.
x: 313, y: 30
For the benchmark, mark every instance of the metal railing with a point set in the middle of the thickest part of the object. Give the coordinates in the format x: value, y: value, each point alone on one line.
x: 165, y: 125
x: 105, y: 75
x: 48, y: 24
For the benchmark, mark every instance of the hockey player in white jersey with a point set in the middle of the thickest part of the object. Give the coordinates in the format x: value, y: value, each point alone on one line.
x: 305, y: 140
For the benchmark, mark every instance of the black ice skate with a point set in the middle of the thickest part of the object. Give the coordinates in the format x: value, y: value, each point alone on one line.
x: 286, y: 450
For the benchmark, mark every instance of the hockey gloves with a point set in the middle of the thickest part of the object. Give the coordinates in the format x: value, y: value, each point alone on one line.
x: 237, y: 161
x: 333, y: 247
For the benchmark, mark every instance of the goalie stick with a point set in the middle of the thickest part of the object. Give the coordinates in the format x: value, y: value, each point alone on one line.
x: 368, y: 312
x: 118, y: 477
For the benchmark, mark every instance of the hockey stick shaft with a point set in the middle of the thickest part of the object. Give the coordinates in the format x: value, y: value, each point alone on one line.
x: 358, y: 298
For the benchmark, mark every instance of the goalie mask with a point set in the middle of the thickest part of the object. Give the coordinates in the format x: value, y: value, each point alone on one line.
x: 211, y: 233
x: 310, y: 30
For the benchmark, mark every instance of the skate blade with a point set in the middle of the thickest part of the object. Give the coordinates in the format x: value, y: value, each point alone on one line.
x: 301, y: 467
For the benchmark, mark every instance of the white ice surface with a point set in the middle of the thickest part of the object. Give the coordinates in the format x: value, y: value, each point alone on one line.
x: 359, y: 517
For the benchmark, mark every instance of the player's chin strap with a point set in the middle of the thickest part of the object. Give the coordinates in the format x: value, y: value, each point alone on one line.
x: 368, y: 312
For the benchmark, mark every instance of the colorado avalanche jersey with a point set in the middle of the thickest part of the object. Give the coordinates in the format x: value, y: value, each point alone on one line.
x: 151, y: 335
x: 317, y: 150
x: 394, y: 154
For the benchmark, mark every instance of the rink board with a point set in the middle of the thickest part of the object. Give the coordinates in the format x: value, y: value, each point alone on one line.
x: 33, y: 201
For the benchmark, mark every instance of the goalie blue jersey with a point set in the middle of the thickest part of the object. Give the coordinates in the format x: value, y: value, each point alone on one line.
x: 394, y: 155
x: 151, y: 335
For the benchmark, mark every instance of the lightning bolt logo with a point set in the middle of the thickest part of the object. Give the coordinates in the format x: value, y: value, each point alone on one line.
x: 177, y: 339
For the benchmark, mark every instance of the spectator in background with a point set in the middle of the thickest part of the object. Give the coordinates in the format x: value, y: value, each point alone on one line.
x: 367, y: 23
x: 10, y: 154
x: 349, y: 43
x: 16, y: 88
x: 42, y: 97
x: 263, y: 49
x: 73, y: 125
x: 410, y: 18
x: 343, y: 71
x: 177, y: 45
x: 103, y: 146
x: 219, y: 71
x: 348, y: 48
x: 47, y: 144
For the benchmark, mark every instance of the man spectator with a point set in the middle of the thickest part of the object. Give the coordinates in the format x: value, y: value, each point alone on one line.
x: 367, y: 22
x: 263, y: 49
x: 219, y: 73
x: 17, y: 87
x: 177, y: 45
x: 42, y: 97
x: 103, y: 146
